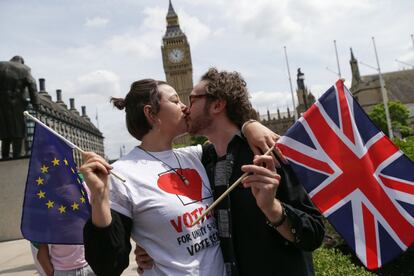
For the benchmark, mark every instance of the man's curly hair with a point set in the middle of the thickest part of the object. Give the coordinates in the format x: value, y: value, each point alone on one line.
x: 231, y: 87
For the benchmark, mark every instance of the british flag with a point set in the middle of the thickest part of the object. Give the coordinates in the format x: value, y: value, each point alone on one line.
x: 355, y: 175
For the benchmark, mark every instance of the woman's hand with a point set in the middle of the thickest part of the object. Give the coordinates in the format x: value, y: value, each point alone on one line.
x: 95, y: 171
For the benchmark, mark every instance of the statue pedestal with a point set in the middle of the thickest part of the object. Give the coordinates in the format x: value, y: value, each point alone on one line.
x: 13, y: 175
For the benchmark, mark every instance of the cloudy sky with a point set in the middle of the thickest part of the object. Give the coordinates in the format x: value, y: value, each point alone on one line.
x: 94, y: 49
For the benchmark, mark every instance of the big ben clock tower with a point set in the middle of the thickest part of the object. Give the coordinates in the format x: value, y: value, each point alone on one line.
x: 176, y: 57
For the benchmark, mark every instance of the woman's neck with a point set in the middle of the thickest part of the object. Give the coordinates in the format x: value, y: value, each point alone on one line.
x: 156, y: 142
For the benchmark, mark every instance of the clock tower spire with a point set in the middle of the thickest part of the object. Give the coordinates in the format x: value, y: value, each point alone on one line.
x: 176, y: 56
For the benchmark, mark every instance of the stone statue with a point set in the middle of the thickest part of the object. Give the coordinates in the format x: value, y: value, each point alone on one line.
x: 300, y: 80
x: 15, y: 82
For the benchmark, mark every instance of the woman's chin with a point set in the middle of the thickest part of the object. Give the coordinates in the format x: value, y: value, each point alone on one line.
x: 181, y: 132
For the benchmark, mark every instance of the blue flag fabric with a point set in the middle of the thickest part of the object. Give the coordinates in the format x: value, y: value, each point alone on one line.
x: 55, y: 206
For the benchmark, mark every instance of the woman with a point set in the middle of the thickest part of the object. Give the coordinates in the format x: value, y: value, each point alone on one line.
x: 165, y: 191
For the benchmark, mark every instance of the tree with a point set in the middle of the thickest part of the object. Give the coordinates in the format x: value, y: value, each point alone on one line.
x: 399, y: 117
x: 406, y: 145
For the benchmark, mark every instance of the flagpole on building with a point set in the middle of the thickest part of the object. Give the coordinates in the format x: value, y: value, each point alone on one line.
x: 384, y: 93
x: 25, y: 113
x: 291, y: 87
x: 97, y: 119
x: 337, y: 60
x: 405, y: 63
x: 412, y: 38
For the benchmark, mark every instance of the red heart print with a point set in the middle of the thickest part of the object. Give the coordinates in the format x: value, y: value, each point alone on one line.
x: 170, y: 182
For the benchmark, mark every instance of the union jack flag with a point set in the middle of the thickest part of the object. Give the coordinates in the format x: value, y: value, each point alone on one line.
x: 355, y: 175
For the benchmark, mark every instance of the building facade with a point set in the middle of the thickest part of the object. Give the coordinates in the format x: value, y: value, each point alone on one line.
x: 399, y: 86
x: 68, y: 122
x: 281, y: 121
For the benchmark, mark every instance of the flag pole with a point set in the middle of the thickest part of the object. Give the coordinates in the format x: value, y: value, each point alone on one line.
x: 337, y: 60
x: 28, y: 115
x: 96, y: 117
x: 412, y: 38
x: 291, y: 87
x: 231, y: 188
x: 384, y: 93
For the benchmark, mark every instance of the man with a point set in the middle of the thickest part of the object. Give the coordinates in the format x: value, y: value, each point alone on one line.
x: 265, y: 228
x: 15, y: 78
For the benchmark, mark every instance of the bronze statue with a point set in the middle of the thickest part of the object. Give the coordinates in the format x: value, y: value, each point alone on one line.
x: 300, y: 80
x: 15, y: 81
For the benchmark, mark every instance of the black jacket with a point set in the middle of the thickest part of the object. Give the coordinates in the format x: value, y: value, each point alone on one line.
x: 258, y: 248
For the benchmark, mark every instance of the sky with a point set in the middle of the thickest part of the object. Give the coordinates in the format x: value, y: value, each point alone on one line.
x: 95, y: 49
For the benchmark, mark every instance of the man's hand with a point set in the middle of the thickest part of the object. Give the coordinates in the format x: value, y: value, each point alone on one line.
x: 144, y: 261
x: 264, y: 181
x: 260, y: 139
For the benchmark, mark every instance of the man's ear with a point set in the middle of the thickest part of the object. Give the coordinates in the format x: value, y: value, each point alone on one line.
x: 218, y: 106
x: 151, y: 117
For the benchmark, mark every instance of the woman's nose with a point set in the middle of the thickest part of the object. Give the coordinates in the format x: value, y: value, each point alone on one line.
x: 185, y: 108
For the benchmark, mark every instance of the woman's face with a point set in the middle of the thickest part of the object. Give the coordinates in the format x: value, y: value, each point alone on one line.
x: 171, y: 117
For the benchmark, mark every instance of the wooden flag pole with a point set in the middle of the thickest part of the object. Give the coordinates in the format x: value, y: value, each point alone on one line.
x: 27, y: 114
x: 231, y: 188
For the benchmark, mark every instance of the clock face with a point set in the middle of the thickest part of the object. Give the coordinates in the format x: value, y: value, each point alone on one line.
x: 176, y: 55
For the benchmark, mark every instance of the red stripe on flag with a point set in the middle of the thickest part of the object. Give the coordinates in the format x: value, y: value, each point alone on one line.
x: 370, y: 238
x: 304, y: 159
x: 397, y: 185
x: 345, y: 112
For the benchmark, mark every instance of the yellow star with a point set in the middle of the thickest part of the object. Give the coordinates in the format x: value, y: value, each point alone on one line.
x: 55, y: 162
x: 39, y: 181
x: 62, y: 209
x: 78, y: 180
x: 83, y: 192
x: 66, y: 162
x: 50, y: 204
x: 82, y: 199
x: 44, y: 169
x: 73, y: 171
x: 41, y: 194
x: 75, y: 206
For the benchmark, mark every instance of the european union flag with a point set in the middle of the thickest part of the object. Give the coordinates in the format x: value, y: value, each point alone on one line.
x: 56, y: 206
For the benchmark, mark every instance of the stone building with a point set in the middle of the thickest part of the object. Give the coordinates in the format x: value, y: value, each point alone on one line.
x: 399, y: 86
x: 176, y: 58
x: 281, y: 121
x: 67, y: 121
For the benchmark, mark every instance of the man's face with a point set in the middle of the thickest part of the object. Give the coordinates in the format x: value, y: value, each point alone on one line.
x: 199, y: 118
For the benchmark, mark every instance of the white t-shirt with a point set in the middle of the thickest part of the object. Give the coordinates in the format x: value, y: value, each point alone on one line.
x: 162, y: 208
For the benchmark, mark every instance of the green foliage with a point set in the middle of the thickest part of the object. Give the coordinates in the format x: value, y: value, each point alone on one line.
x: 399, y: 114
x: 406, y: 145
x: 176, y: 146
x: 331, y: 262
x: 198, y: 140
